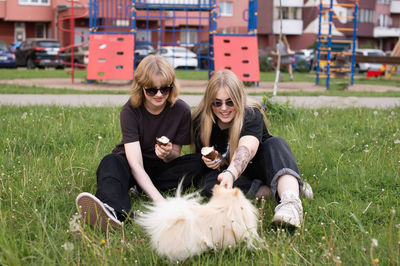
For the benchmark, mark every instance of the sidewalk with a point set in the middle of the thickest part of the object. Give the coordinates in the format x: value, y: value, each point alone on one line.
x: 193, y: 100
x: 188, y: 86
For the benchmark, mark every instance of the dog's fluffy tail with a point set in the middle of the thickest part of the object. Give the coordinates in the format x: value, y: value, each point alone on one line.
x: 170, y: 225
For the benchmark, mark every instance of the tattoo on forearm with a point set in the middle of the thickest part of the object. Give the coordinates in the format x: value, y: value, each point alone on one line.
x: 242, y: 158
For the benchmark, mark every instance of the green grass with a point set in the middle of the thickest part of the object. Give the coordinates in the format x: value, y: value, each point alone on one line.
x: 331, y: 92
x: 21, y: 89
x: 350, y: 157
x: 189, y: 75
x: 38, y: 73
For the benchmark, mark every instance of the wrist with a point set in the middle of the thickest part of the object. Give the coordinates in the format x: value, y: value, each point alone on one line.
x: 232, y: 174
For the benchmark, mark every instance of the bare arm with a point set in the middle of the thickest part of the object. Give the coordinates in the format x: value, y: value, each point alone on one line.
x: 134, y: 156
x: 246, y: 150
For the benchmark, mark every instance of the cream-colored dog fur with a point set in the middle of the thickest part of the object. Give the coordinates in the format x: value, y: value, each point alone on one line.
x: 181, y: 227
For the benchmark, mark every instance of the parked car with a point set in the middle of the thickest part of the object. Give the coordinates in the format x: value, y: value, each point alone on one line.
x: 40, y: 53
x: 81, y: 55
x: 7, y: 58
x: 364, y: 67
x: 304, y: 60
x: 201, y: 50
x: 142, y: 49
x: 179, y: 57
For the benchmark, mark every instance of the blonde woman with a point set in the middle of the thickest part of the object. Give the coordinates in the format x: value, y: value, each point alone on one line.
x: 247, y: 151
x: 152, y: 111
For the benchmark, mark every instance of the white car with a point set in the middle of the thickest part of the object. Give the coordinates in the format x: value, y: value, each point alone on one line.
x: 178, y: 57
x: 363, y: 67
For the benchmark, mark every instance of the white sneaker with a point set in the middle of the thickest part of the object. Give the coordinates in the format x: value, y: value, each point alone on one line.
x: 95, y: 212
x: 289, y: 212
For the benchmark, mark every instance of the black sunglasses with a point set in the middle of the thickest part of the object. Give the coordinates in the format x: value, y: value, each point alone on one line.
x: 218, y: 103
x: 153, y: 91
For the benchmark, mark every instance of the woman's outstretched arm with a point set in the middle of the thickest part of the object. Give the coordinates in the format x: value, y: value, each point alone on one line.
x: 245, y: 151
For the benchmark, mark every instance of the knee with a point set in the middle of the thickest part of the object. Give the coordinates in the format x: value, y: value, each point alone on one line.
x: 112, y: 163
x: 275, y: 142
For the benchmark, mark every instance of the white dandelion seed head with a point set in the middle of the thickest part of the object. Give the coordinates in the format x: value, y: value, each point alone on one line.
x: 99, y: 137
x: 366, y: 150
x: 374, y: 242
x: 315, y: 114
x: 68, y: 246
x: 397, y: 141
x: 375, y: 112
x: 312, y: 136
x: 23, y: 116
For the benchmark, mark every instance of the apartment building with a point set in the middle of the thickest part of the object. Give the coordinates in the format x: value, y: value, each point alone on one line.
x: 21, y: 19
x: 378, y: 22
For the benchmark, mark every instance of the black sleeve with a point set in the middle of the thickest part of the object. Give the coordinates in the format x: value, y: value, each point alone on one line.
x: 196, y: 135
x: 182, y: 136
x: 253, y: 123
x: 129, y: 124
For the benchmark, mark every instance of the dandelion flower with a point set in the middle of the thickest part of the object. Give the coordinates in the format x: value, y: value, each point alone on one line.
x: 74, y: 223
x: 103, y: 242
x: 376, y: 260
x: 68, y: 246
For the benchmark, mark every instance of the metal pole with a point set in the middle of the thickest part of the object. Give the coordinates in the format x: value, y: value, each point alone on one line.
x: 278, y: 65
x: 328, y: 59
x: 319, y: 43
x: 72, y: 34
x: 354, y: 42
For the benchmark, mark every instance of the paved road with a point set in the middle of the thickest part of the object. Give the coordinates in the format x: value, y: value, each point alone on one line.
x: 193, y: 100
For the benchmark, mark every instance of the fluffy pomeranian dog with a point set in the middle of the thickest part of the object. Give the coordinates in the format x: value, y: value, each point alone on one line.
x: 181, y: 226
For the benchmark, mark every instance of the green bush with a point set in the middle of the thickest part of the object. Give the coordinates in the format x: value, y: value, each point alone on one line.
x: 302, y: 66
x: 266, y: 63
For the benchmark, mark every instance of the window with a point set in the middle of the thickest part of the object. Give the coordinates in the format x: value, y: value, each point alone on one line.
x: 226, y: 9
x: 40, y: 30
x: 288, y: 13
x: 34, y: 2
x: 188, y: 38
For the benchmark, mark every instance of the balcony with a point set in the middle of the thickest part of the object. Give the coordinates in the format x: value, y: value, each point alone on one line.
x: 381, y: 32
x: 395, y: 7
x: 289, y: 26
x: 289, y: 3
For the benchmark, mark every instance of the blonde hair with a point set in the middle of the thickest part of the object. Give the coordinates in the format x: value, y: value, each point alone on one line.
x: 150, y: 67
x: 227, y: 80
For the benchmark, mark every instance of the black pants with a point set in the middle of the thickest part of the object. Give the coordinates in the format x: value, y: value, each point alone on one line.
x: 114, y: 177
x: 273, y: 159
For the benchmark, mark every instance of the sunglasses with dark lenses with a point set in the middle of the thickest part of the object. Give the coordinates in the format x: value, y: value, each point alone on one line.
x: 218, y: 103
x: 153, y: 91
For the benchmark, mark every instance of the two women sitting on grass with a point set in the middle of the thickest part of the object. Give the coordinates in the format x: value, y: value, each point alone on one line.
x: 223, y: 119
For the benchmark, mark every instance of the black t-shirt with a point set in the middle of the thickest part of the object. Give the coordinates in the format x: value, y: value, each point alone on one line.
x: 253, y: 125
x: 137, y: 124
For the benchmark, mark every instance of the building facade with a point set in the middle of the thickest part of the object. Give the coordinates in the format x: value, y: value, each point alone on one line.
x: 378, y: 24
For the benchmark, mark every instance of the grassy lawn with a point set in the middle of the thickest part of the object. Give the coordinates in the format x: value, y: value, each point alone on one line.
x: 350, y: 157
x: 336, y: 88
